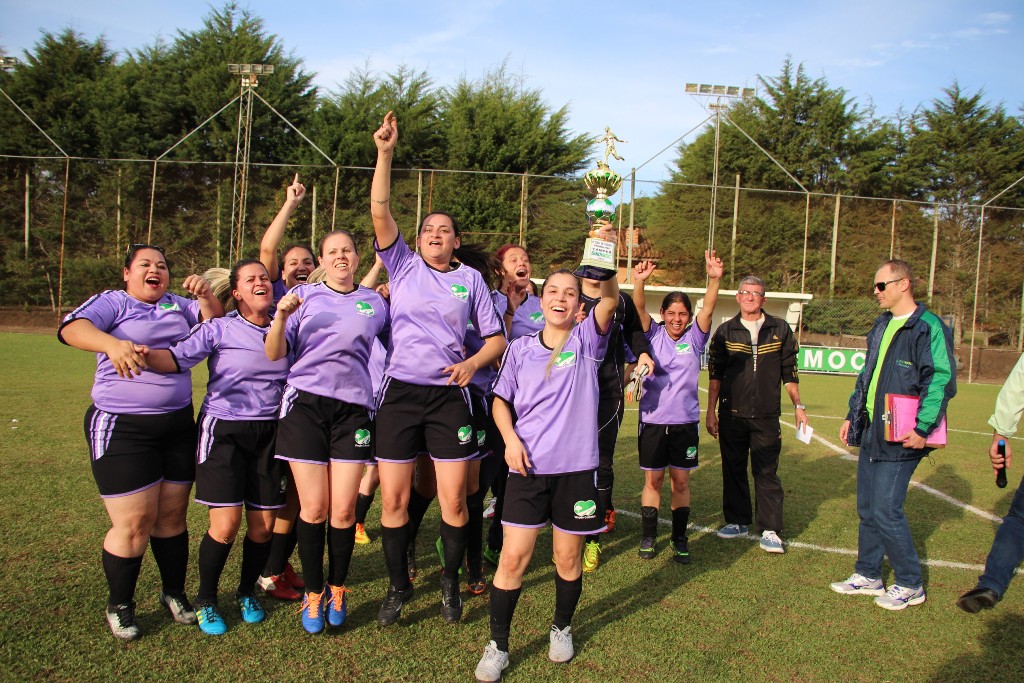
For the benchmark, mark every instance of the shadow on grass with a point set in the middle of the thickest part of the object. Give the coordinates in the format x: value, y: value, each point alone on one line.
x: 1001, y: 658
x: 927, y: 518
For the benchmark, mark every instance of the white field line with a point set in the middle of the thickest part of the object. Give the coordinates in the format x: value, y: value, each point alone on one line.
x: 701, y: 530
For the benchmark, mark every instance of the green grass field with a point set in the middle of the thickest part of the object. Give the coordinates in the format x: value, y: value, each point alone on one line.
x: 735, y: 614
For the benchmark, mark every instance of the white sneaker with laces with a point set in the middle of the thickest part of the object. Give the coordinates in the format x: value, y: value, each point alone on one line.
x: 771, y: 543
x: 898, y: 597
x: 491, y: 664
x: 858, y: 584
x: 560, y: 647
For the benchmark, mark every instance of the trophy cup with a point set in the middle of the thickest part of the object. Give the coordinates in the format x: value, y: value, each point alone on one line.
x: 599, y: 256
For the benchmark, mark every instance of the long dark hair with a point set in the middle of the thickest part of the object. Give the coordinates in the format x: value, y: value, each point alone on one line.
x: 677, y: 298
x: 479, y: 260
x: 558, y: 349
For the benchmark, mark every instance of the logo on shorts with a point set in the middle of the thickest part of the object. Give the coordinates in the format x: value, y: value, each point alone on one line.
x: 460, y: 292
x: 585, y: 509
x: 168, y: 307
x: 691, y: 453
x: 465, y: 434
x: 536, y: 317
x: 365, y: 308
x: 481, y: 438
x: 362, y: 437
x: 682, y: 347
x: 565, y: 359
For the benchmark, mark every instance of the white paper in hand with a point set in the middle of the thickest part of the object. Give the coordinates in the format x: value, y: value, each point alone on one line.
x: 804, y: 432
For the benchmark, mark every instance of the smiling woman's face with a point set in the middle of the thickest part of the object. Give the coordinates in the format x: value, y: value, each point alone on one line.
x: 147, y: 277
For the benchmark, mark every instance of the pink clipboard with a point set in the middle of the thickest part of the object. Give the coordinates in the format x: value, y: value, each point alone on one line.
x: 901, y: 417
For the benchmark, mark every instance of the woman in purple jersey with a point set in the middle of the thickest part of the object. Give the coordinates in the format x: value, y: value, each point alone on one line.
x: 237, y: 425
x: 552, y: 454
x: 140, y: 429
x: 294, y: 266
x: 669, y: 409
x: 325, y: 430
x: 424, y: 400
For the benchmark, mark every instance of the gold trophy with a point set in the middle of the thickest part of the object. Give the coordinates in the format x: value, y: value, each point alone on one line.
x: 599, y: 256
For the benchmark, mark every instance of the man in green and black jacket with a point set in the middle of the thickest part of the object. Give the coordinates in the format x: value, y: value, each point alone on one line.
x: 910, y: 351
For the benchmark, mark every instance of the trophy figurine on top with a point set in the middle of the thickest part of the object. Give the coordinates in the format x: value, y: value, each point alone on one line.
x: 599, y: 255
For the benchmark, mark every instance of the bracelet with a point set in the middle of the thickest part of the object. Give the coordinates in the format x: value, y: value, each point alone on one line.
x: 799, y: 406
x: 382, y: 202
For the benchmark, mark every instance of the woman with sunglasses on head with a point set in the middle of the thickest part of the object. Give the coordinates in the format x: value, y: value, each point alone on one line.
x: 140, y: 428
x: 325, y: 430
x: 552, y: 454
x: 424, y: 400
x: 237, y: 429
x: 669, y: 406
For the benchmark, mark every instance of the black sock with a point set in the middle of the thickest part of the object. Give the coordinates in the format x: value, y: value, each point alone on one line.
x: 503, y: 606
x: 213, y: 555
x: 311, y: 553
x: 280, y: 548
x: 567, y: 596
x: 604, y: 500
x: 395, y: 542
x: 649, y: 521
x: 680, y: 518
x: 363, y: 503
x: 475, y: 533
x: 418, y: 505
x: 122, y: 575
x: 171, y: 555
x: 495, y: 534
x: 453, y: 540
x: 340, y: 543
x: 254, y: 558
x: 291, y: 540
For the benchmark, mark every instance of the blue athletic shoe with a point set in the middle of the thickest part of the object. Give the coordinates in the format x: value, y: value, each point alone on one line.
x: 313, y: 612
x: 337, y: 605
x: 210, y: 621
x: 252, y: 610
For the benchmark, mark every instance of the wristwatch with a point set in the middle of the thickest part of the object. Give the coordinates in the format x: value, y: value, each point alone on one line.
x: 799, y: 406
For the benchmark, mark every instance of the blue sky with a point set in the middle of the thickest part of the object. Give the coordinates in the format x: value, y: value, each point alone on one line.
x: 618, y: 64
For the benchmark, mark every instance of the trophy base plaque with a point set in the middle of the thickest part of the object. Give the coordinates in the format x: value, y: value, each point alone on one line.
x: 598, y: 261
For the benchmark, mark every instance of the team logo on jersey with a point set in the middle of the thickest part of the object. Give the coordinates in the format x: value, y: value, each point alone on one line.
x: 585, y: 509
x: 481, y: 438
x: 904, y: 363
x: 365, y: 308
x: 169, y: 306
x: 469, y: 325
x: 536, y: 317
x: 565, y: 359
x: 691, y: 452
x: 682, y: 347
x: 460, y: 292
x: 362, y: 437
x: 465, y: 434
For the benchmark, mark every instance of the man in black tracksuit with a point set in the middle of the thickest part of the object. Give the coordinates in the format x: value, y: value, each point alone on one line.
x: 750, y: 356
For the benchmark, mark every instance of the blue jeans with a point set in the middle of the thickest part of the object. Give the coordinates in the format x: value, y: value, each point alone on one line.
x: 884, y: 531
x: 1008, y: 548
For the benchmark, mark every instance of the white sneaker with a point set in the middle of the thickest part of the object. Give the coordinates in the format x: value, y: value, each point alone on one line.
x: 898, y: 597
x: 859, y: 585
x: 491, y: 664
x: 771, y: 543
x: 560, y: 648
x: 489, y: 510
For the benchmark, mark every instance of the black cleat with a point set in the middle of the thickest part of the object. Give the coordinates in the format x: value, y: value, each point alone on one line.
x: 391, y: 608
x: 451, y: 600
x: 646, y: 551
x: 977, y: 599
x: 682, y: 551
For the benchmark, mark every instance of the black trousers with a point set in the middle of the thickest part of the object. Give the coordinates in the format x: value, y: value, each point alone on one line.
x: 761, y: 440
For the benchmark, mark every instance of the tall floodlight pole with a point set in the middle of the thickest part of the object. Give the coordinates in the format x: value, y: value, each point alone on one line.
x: 718, y: 93
x: 249, y: 75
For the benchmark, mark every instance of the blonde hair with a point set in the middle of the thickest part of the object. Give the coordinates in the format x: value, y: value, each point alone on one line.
x: 319, y: 274
x: 557, y: 351
x: 220, y: 286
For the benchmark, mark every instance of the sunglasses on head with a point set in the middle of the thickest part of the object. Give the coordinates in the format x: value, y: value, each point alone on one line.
x: 880, y: 286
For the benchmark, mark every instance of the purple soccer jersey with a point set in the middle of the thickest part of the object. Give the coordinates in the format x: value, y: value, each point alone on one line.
x: 670, y: 394
x: 430, y: 311
x: 244, y: 384
x: 156, y: 325
x: 527, y: 319
x: 556, y: 414
x: 330, y: 336
x: 378, y: 352
x: 484, y: 377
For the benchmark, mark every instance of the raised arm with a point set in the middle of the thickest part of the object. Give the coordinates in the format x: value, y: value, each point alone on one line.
x: 275, y: 345
x: 384, y: 227
x: 715, y: 269
x: 373, y: 274
x: 604, y: 310
x: 641, y: 272
x: 210, y: 306
x: 274, y: 235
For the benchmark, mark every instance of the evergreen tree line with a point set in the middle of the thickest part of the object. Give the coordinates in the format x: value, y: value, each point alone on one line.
x: 941, y: 162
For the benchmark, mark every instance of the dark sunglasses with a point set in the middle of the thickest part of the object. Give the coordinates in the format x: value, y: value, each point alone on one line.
x: 880, y: 286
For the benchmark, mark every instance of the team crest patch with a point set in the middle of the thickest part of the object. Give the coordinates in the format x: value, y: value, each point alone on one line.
x: 481, y: 438
x: 585, y: 509
x: 362, y: 437
x: 565, y: 359
x: 465, y: 434
x: 536, y: 316
x: 365, y: 308
x: 169, y: 306
x: 691, y: 452
x: 460, y: 292
x: 682, y: 347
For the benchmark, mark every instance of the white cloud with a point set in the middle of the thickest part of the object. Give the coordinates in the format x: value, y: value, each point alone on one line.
x: 993, y: 18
